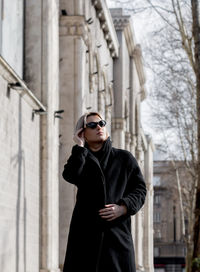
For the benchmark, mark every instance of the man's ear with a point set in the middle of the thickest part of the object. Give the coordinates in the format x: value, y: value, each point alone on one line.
x: 81, y: 133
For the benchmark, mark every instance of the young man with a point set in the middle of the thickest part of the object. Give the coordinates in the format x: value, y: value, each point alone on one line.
x: 111, y: 188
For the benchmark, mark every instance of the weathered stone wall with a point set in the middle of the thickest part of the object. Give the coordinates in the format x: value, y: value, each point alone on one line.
x: 20, y: 183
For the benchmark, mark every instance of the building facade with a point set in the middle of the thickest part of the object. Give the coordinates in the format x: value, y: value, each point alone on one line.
x: 74, y: 56
x: 170, y: 220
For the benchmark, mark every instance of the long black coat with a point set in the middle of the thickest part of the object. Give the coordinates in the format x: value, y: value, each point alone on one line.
x: 96, y: 245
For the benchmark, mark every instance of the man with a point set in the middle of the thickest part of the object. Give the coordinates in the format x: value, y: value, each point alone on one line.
x: 111, y: 188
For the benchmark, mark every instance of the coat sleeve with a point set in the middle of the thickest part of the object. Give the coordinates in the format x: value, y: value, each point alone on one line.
x: 74, y: 166
x: 135, y: 194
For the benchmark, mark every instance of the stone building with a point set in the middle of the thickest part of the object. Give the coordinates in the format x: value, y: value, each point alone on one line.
x: 170, y: 221
x: 69, y: 55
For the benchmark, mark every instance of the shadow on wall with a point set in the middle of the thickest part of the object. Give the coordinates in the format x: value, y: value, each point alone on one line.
x: 19, y: 160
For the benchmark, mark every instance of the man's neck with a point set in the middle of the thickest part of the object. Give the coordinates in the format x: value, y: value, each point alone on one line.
x: 95, y: 146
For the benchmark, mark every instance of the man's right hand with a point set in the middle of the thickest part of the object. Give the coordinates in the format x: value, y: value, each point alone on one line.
x: 79, y: 137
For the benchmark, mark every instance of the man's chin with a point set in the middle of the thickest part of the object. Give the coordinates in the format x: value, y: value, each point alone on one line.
x: 100, y: 139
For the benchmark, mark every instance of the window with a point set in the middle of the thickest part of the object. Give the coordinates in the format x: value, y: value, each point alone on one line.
x: 156, y: 217
x: 158, y: 234
x: 156, y: 181
x: 156, y: 251
x: 157, y: 199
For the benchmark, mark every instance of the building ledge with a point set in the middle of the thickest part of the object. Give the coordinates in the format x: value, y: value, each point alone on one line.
x: 16, y: 83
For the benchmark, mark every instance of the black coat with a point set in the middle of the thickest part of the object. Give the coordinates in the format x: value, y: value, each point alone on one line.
x: 93, y: 243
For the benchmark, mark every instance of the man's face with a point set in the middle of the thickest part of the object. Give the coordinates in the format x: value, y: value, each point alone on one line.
x: 95, y: 135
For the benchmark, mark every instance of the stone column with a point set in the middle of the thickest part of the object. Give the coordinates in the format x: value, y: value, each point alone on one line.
x: 72, y: 88
x: 118, y: 134
x: 139, y: 240
x: 118, y: 126
x: 139, y: 217
x: 148, y: 208
x: 127, y: 141
x: 49, y: 138
x: 133, y: 144
x: 41, y: 73
x: 138, y: 152
x: 132, y: 106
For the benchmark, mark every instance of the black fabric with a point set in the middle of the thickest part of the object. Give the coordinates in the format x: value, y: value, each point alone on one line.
x: 96, y: 245
x: 103, y: 154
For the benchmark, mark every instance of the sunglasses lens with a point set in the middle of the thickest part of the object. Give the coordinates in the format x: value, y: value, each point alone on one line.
x: 102, y: 123
x: 93, y: 125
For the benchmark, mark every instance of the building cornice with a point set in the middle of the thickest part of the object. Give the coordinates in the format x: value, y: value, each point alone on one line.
x: 130, y: 37
x: 106, y: 22
x: 16, y: 83
x: 77, y: 26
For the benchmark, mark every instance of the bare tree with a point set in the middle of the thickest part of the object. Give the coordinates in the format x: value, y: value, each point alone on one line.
x: 196, y: 35
x: 173, y: 54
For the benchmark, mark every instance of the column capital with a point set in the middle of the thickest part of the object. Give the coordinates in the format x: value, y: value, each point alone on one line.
x: 118, y: 123
x: 74, y: 26
x: 128, y: 137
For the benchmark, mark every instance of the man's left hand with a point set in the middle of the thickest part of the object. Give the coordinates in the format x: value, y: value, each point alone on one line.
x: 112, y: 211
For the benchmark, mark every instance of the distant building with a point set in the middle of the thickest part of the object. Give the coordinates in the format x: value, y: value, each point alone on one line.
x: 169, y: 244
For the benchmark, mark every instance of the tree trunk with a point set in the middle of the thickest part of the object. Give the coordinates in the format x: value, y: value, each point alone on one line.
x: 196, y: 35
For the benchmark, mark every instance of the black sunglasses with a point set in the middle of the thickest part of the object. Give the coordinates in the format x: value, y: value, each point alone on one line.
x: 93, y: 125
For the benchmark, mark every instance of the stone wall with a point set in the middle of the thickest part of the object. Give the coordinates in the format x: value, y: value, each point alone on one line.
x: 20, y: 179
